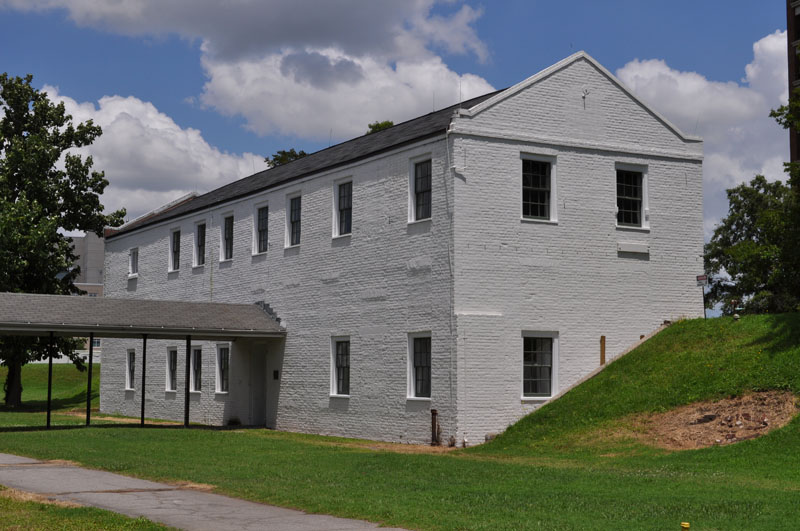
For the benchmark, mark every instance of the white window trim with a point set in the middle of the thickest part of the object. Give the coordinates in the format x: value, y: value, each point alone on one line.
x: 196, y: 247
x: 645, y: 214
x: 218, y: 376
x: 129, y: 385
x: 335, y: 229
x: 553, y: 187
x: 222, y: 218
x: 334, y: 339
x: 254, y: 242
x: 412, y: 195
x: 410, y: 379
x: 171, y: 266
x: 191, y: 369
x: 287, y: 244
x: 166, y: 367
x: 131, y: 273
x: 554, y: 371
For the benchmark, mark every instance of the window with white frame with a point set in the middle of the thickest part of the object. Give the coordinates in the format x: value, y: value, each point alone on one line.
x: 293, y: 220
x: 223, y: 368
x: 419, y: 365
x: 340, y: 376
x: 421, y: 191
x: 261, y: 229
x: 200, y: 244
x: 130, y: 366
x: 538, y: 188
x: 175, y: 251
x: 632, y: 208
x: 343, y: 224
x: 227, y: 238
x: 133, y: 261
x: 539, y: 354
x: 172, y: 369
x: 196, y: 378
x: 95, y: 342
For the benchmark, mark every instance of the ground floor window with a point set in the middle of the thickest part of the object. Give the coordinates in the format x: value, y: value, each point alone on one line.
x: 223, y: 368
x: 420, y: 366
x: 129, y: 369
x: 538, y: 355
x: 197, y: 366
x: 172, y: 369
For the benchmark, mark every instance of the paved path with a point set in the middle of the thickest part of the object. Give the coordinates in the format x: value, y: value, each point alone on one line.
x: 174, y: 506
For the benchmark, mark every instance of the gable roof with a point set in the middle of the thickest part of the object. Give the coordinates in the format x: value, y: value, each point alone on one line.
x: 507, y: 93
x: 426, y: 126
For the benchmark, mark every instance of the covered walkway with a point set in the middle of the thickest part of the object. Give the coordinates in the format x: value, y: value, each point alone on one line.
x: 24, y: 314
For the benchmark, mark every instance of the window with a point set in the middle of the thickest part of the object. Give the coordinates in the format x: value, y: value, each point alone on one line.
x: 341, y: 365
x: 197, y: 367
x: 630, y: 194
x: 92, y: 295
x: 535, y: 189
x: 133, y: 261
x: 227, y: 238
x: 420, y: 366
x: 172, y: 369
x: 200, y: 244
x: 223, y: 368
x: 95, y: 343
x: 175, y: 251
x: 538, y: 356
x: 294, y: 221
x: 262, y: 226
x: 422, y: 191
x: 129, y: 369
x: 344, y: 209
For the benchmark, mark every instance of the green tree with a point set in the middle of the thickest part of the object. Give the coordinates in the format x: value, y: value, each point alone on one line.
x: 44, y: 190
x: 376, y: 126
x: 283, y: 156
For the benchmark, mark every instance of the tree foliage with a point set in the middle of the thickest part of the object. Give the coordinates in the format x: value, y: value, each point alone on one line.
x: 45, y: 189
x: 376, y: 126
x: 283, y: 156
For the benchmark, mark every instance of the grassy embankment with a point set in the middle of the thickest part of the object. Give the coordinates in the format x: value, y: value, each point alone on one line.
x: 558, y: 468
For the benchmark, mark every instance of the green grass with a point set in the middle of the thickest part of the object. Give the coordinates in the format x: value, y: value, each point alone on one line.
x: 17, y: 514
x: 549, y: 471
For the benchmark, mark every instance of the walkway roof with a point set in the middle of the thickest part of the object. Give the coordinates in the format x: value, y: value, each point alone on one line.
x: 64, y: 315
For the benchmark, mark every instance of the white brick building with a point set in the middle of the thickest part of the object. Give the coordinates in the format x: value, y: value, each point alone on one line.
x: 560, y: 210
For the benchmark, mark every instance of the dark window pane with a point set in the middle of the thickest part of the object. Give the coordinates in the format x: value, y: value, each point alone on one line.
x: 343, y: 367
x: 422, y: 189
x: 197, y: 367
x: 131, y: 367
x: 263, y: 225
x: 422, y: 367
x: 535, y: 189
x: 294, y: 213
x: 345, y: 207
x: 176, y: 250
x: 173, y: 370
x: 228, y: 238
x: 201, y: 244
x: 224, y: 368
x: 537, y: 366
x: 629, y: 198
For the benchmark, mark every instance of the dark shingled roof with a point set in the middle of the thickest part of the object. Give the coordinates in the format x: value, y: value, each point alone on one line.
x: 361, y: 147
x: 30, y: 314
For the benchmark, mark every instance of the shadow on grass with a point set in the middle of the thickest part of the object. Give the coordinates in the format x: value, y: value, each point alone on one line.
x: 122, y: 426
x: 783, y: 333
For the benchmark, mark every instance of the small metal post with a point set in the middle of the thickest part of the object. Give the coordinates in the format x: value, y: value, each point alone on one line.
x: 704, y: 302
x: 602, y: 350
x: 186, y: 394
x: 89, y: 382
x: 434, y: 427
x: 144, y: 371
x: 49, y: 378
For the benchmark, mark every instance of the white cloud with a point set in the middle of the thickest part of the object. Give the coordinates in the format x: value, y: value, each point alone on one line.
x: 148, y: 159
x: 740, y: 139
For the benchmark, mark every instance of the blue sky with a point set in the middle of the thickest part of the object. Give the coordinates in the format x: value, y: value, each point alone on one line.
x: 192, y: 95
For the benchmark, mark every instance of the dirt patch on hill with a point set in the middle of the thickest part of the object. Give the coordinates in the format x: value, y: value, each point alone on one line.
x: 22, y: 496
x: 726, y: 421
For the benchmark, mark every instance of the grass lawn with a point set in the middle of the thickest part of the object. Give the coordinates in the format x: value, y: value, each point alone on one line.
x: 555, y: 469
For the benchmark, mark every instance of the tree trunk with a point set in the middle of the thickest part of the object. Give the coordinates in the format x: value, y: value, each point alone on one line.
x: 13, y: 385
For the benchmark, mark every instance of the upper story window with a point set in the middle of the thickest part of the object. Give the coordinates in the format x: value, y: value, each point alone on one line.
x: 631, y: 198
x: 419, y: 366
x: 535, y: 189
x: 200, y: 244
x: 344, y: 209
x: 175, y: 251
x: 294, y: 220
x: 422, y: 190
x: 133, y: 261
x: 262, y: 229
x: 227, y: 238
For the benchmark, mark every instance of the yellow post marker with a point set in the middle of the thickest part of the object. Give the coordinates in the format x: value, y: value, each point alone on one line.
x: 684, y: 525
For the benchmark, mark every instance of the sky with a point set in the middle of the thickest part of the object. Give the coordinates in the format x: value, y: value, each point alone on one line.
x: 193, y: 94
